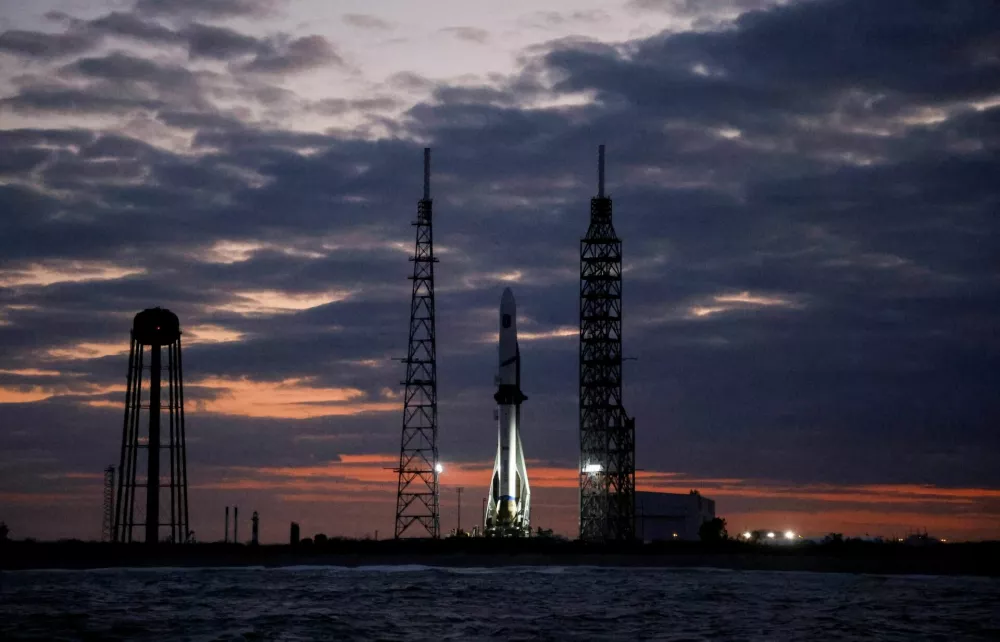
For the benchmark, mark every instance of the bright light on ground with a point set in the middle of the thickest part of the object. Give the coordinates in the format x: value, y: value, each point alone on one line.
x: 747, y: 535
x: 789, y: 535
x: 592, y: 468
x: 770, y: 535
x: 438, y: 468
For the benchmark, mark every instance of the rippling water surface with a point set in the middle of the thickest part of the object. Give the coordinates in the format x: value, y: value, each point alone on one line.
x: 553, y: 603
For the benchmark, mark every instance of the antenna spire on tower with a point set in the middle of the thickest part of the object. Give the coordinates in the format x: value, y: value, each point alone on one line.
x: 427, y: 173
x: 600, y: 171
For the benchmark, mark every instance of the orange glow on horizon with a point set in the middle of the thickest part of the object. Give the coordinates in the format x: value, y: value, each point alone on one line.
x: 30, y: 394
x: 812, y: 510
x: 721, y: 303
x: 293, y: 398
x: 89, y: 350
x: 38, y: 274
x: 209, y: 333
x: 32, y: 372
x: 253, y: 302
x: 855, y: 523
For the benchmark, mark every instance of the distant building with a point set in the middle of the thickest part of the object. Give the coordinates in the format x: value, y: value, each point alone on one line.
x: 293, y: 538
x: 671, y: 516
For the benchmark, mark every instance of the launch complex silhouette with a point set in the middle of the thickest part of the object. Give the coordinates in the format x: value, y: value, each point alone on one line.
x: 607, y: 433
x: 154, y: 383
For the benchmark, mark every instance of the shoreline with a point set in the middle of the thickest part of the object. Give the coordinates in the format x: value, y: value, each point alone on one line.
x: 972, y: 559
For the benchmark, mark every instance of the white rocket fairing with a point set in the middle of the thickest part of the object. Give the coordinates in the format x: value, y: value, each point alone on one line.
x: 509, y: 507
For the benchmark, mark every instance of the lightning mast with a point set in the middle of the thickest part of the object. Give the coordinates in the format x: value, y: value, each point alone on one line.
x: 417, y: 490
x: 607, y: 433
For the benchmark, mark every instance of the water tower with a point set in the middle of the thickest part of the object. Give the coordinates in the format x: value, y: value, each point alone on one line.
x: 154, y: 385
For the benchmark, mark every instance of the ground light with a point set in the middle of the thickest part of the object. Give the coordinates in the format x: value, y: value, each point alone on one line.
x: 789, y: 535
x: 747, y: 535
x: 592, y: 468
x: 438, y: 468
x: 770, y: 535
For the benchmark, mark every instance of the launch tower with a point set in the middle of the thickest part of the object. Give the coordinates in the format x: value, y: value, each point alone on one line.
x: 417, y: 489
x: 607, y: 433
x: 153, y: 331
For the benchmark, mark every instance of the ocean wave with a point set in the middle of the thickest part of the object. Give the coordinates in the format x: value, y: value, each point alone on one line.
x: 424, y: 602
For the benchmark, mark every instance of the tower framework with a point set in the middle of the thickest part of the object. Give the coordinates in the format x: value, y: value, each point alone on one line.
x: 607, y: 433
x: 108, y: 518
x: 154, y: 332
x: 417, y: 490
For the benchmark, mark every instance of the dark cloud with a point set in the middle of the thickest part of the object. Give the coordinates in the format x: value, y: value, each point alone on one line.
x: 707, y: 15
x: 131, y: 26
x: 118, y: 66
x: 35, y: 44
x: 199, y: 121
x: 74, y: 101
x: 553, y: 19
x: 220, y: 43
x: 469, y: 34
x: 38, y: 137
x: 275, y: 55
x: 690, y: 8
x: 201, y: 40
x: 117, y: 83
x: 208, y: 8
x: 116, y: 146
x: 366, y: 21
x: 774, y: 60
x: 336, y: 106
x: 19, y: 161
x: 409, y: 81
x: 875, y: 48
x: 300, y: 54
x: 71, y: 173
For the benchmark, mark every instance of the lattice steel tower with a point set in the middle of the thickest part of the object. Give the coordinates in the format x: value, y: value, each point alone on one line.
x: 607, y: 433
x: 417, y: 491
x: 152, y: 331
x: 108, y: 518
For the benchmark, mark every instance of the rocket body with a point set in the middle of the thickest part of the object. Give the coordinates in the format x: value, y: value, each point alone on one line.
x: 508, y: 509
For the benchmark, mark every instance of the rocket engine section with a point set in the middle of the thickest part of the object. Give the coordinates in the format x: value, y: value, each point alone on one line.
x: 509, y: 505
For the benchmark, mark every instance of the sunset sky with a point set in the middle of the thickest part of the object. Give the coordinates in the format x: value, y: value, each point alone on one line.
x: 807, y: 191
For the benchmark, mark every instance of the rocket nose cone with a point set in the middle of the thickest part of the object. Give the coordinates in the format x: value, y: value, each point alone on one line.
x: 507, y: 307
x: 507, y: 310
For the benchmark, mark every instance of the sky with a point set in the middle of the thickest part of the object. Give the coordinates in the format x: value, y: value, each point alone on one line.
x: 806, y: 193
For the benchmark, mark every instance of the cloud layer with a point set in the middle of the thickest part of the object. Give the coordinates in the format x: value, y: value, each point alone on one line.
x: 806, y: 194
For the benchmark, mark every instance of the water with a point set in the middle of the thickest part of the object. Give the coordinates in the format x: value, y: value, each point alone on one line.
x: 541, y: 603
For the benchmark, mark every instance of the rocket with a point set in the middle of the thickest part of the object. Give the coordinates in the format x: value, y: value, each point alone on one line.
x: 509, y: 504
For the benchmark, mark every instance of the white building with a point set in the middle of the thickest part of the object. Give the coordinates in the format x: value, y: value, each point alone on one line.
x: 671, y: 516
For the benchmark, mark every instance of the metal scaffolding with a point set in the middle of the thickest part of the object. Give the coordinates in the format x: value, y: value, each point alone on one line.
x: 417, y: 490
x: 152, y: 331
x: 108, y: 518
x: 607, y: 433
